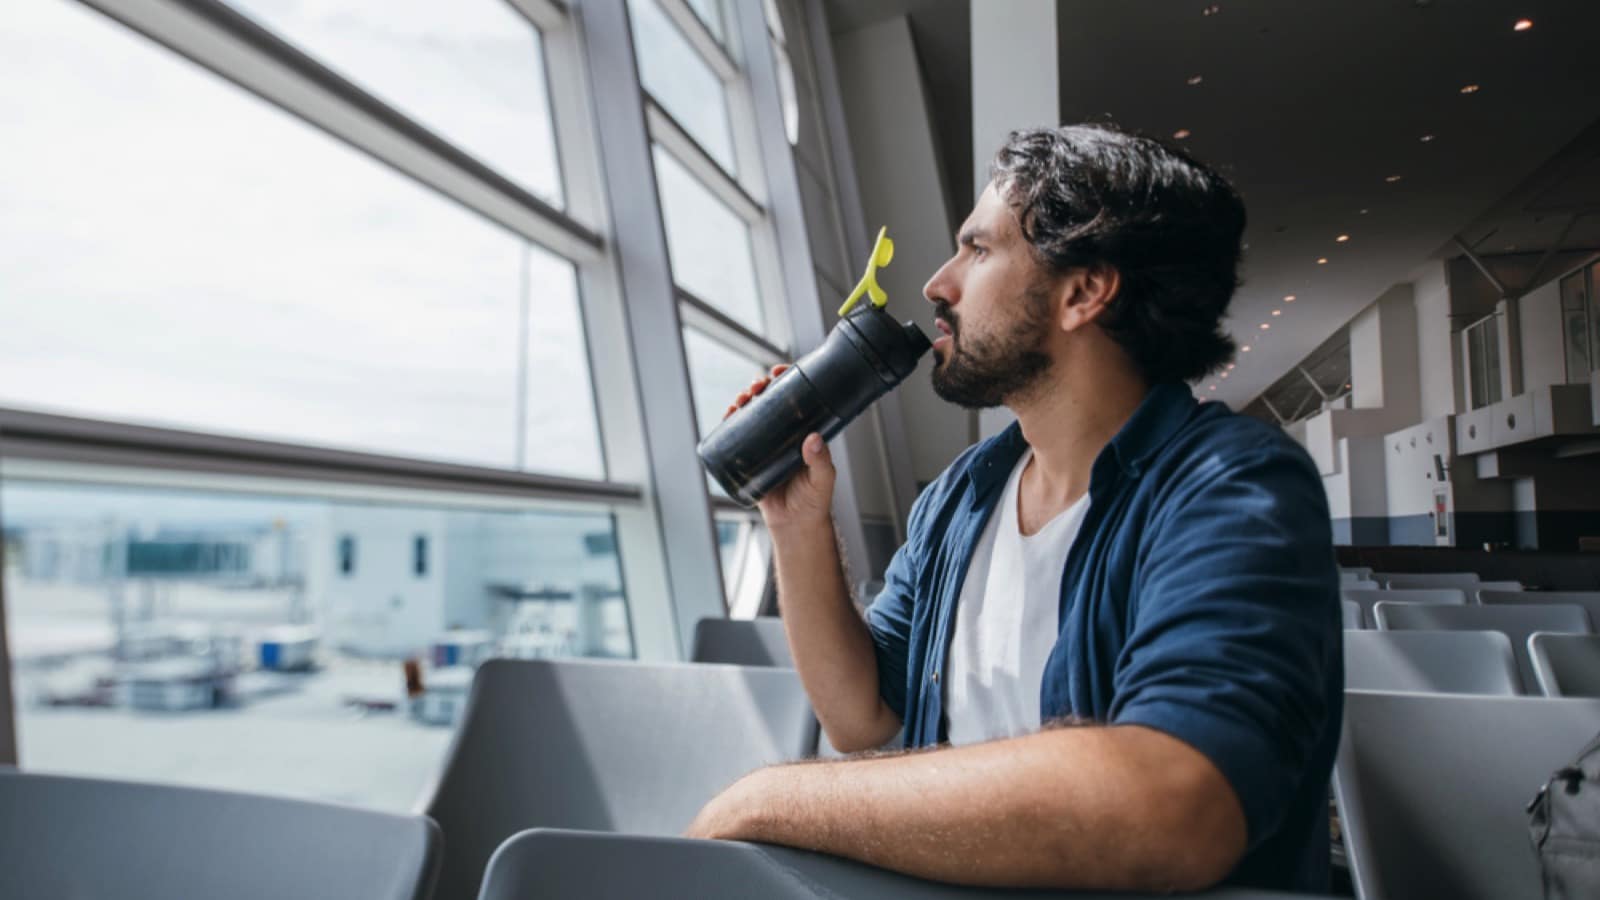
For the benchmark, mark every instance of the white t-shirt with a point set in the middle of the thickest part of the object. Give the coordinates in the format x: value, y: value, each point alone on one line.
x: 1007, y: 621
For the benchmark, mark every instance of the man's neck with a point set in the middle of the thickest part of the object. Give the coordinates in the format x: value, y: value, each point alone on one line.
x: 1068, y: 420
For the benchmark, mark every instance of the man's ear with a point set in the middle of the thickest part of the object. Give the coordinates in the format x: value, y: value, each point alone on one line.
x: 1088, y: 293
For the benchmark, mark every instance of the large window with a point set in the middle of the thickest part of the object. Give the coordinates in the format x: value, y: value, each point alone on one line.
x: 181, y: 253
x: 681, y: 80
x: 231, y: 640
x: 709, y: 244
x: 472, y: 71
x: 1483, y: 361
x: 1580, y: 323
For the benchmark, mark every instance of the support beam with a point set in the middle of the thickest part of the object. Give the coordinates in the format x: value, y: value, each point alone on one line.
x: 1313, y: 382
x: 1476, y: 261
x: 787, y: 218
x: 682, y: 503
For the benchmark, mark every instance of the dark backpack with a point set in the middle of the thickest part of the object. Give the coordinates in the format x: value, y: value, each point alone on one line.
x: 1565, y: 825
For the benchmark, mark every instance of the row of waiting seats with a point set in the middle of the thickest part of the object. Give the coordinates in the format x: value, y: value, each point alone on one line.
x: 572, y: 778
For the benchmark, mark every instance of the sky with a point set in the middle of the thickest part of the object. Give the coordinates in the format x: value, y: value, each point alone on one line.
x: 175, y: 251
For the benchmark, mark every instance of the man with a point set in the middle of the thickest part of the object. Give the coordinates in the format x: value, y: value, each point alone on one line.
x: 1116, y: 623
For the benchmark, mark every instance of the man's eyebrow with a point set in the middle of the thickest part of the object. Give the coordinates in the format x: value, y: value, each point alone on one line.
x: 969, y: 236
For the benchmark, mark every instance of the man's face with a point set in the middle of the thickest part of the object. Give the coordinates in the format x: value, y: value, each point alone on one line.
x: 994, y: 308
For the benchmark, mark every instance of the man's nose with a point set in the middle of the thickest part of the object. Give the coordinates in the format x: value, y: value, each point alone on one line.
x: 939, y: 286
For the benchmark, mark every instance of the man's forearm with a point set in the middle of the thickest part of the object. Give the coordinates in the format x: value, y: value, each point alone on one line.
x: 1123, y: 808
x: 830, y: 643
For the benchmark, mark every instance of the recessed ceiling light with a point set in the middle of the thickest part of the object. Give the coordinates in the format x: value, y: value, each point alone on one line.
x: 1245, y: 349
x: 1392, y: 179
x: 1265, y: 326
x: 1469, y: 89
x: 1277, y: 312
x: 1322, y: 260
x: 1288, y: 298
x: 1195, y: 79
x: 1211, y: 10
x: 1426, y: 139
x: 1231, y: 365
x: 1182, y: 133
x: 1342, y: 238
x: 1522, y: 25
x: 1213, y: 387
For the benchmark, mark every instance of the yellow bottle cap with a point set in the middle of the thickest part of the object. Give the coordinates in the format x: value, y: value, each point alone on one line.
x: 882, y: 253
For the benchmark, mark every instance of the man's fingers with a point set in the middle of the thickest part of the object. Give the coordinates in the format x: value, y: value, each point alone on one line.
x: 779, y: 369
x: 815, y: 451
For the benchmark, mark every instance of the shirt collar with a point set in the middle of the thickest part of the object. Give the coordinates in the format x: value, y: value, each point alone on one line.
x: 1159, y: 416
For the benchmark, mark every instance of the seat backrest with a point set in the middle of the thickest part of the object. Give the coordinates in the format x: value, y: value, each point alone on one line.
x: 82, y: 837
x: 1446, y: 662
x: 1515, y: 622
x: 1589, y: 600
x: 1348, y: 577
x: 1467, y: 581
x: 1366, y: 597
x: 742, y: 642
x: 605, y: 746
x: 1500, y: 586
x: 1351, y: 611
x: 1431, y: 790
x: 1566, y: 665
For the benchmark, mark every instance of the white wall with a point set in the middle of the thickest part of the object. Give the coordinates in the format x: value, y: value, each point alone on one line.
x: 1543, y: 350
x: 1438, y: 387
x: 893, y: 141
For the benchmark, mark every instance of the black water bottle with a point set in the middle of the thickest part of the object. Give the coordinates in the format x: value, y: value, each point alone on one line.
x: 864, y: 357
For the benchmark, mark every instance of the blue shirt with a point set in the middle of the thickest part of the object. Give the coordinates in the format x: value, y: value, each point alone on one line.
x: 1200, y: 599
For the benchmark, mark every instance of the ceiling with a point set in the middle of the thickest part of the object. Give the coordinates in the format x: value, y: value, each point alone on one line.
x: 1308, y: 107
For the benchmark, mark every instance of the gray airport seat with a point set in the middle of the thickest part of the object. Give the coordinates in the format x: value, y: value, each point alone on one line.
x: 1566, y: 665
x: 1362, y: 585
x: 1351, y: 611
x: 552, y: 863
x: 1466, y: 581
x: 83, y: 837
x: 1431, y: 790
x: 1445, y: 662
x: 1515, y: 622
x: 1366, y: 598
x: 1347, y: 577
x: 1500, y: 586
x: 1589, y: 600
x: 742, y: 642
x: 604, y: 746
x: 1359, y: 571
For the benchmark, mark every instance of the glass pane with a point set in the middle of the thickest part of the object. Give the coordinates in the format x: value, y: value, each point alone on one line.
x: 786, y: 93
x: 745, y: 550
x: 681, y: 81
x: 230, y: 269
x: 211, y: 639
x: 716, y: 376
x: 1491, y: 358
x: 710, y: 12
x: 471, y: 72
x: 708, y: 243
x: 1594, y: 316
x: 1575, y: 328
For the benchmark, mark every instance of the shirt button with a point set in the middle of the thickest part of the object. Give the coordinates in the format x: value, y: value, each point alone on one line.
x: 935, y: 677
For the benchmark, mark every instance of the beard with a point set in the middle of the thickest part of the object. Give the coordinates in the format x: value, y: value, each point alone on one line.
x: 984, y: 371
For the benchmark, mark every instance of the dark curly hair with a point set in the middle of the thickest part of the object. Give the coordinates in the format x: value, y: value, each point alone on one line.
x: 1089, y: 195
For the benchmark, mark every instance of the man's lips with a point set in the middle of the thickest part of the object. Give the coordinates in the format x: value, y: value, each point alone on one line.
x: 944, y: 326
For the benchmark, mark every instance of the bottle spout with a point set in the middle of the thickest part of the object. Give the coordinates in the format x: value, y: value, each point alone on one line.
x: 882, y: 253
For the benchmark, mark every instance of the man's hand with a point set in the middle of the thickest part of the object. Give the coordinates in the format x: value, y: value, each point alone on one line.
x: 806, y: 498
